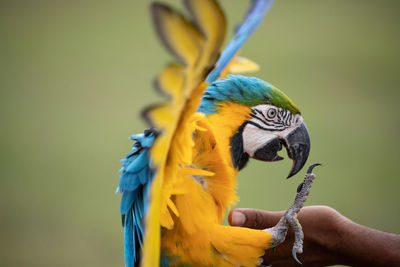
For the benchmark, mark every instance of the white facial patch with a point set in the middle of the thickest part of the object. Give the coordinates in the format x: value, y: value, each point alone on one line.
x: 267, y: 122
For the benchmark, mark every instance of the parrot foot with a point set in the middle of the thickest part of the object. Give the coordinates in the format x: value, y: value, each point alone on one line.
x: 289, y: 219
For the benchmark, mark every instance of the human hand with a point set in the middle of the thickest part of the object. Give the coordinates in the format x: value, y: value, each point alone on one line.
x: 322, y: 228
x: 329, y: 239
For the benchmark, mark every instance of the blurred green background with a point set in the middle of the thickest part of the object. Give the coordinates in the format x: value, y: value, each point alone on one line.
x: 74, y: 76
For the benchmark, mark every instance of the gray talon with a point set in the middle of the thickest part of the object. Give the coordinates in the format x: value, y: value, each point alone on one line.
x: 289, y: 219
x: 312, y: 166
x: 300, y: 187
x: 294, y: 254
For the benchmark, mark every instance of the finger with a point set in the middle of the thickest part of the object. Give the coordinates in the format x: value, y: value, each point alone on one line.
x: 253, y: 218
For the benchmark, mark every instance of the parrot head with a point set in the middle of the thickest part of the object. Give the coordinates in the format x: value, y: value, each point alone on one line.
x: 272, y: 121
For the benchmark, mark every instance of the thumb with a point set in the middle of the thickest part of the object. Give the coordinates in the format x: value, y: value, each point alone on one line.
x: 253, y: 218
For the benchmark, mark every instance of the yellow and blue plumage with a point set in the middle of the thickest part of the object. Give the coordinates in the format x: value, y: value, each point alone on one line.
x: 180, y: 177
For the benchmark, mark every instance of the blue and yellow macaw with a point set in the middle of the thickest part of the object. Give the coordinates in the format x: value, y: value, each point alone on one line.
x: 180, y: 177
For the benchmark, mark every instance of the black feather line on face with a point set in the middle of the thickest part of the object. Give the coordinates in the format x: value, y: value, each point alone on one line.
x: 239, y: 158
x: 281, y: 128
x: 269, y: 124
x: 262, y: 121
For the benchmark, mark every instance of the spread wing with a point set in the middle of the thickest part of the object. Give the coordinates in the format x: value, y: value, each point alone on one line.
x: 196, y: 44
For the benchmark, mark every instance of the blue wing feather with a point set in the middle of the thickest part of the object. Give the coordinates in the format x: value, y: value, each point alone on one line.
x: 252, y: 20
x: 135, y: 178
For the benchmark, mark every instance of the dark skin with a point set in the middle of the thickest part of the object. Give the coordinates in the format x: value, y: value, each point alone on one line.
x: 329, y: 239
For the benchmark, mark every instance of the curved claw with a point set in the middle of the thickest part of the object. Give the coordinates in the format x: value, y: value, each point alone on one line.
x: 300, y: 187
x: 294, y: 254
x: 312, y: 166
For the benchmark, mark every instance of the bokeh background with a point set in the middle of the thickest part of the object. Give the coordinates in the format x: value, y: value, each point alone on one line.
x: 74, y: 76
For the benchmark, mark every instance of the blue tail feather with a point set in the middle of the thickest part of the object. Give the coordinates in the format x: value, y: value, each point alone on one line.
x: 129, y: 243
x: 135, y: 179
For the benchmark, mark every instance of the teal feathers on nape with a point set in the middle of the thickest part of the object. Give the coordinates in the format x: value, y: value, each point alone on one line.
x: 248, y: 91
x: 252, y: 20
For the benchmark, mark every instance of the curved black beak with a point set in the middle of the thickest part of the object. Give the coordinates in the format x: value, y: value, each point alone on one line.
x: 297, y: 144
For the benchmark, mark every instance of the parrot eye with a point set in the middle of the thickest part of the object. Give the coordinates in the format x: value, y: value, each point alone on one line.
x: 271, y: 113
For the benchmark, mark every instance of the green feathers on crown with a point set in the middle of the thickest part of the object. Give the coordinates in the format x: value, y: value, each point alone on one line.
x: 248, y: 91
